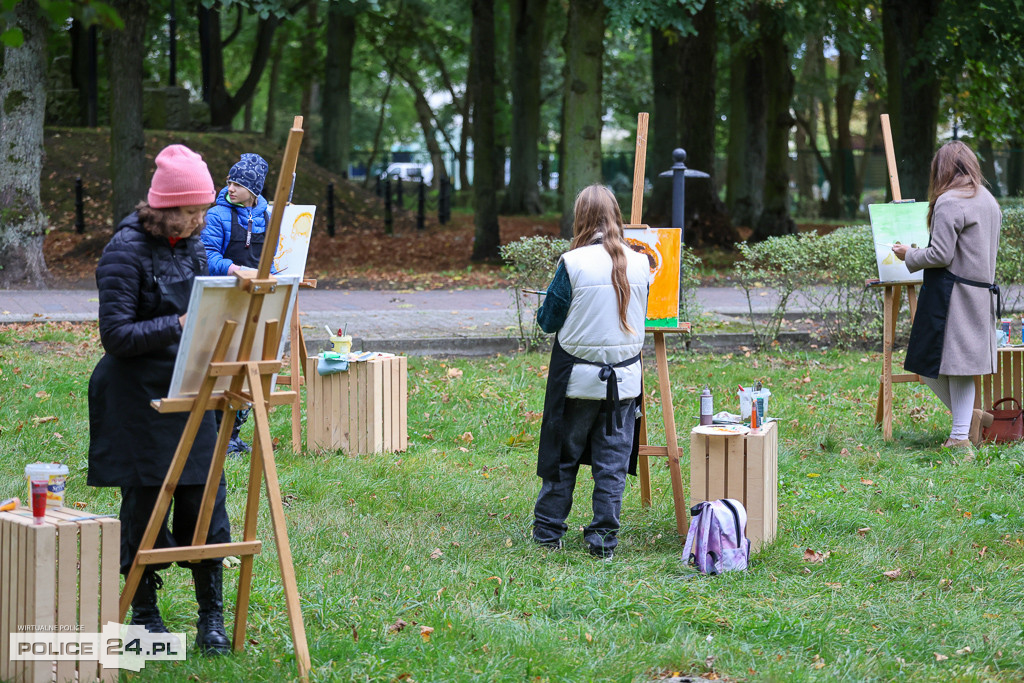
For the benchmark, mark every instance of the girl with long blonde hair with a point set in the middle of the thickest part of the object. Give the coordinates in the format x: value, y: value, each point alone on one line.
x: 596, y: 304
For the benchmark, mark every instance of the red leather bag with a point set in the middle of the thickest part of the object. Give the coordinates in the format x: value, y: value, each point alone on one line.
x: 1008, y: 424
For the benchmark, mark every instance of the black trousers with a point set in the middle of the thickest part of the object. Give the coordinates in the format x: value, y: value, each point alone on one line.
x: 137, y: 503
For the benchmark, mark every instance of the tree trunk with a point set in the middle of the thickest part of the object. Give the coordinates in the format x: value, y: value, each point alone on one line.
x: 337, y: 101
x: 775, y: 219
x: 23, y: 96
x: 913, y: 88
x: 83, y: 71
x: 697, y: 117
x: 987, y: 158
x: 126, y: 52
x: 807, y: 164
x: 487, y: 237
x: 664, y: 135
x: 223, y: 105
x: 581, y: 105
x: 847, y: 84
x: 747, y: 104
x: 275, y: 71
x: 1015, y: 168
x: 523, y: 195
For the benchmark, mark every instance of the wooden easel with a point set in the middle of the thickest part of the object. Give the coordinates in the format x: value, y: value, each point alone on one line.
x: 297, y: 368
x: 257, y: 374
x: 891, y: 308
x: 671, y: 447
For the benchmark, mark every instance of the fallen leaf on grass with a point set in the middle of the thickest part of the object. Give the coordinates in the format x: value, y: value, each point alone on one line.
x: 964, y: 650
x: 397, y: 626
x: 425, y: 632
x: 495, y: 578
x: 42, y: 394
x: 834, y: 586
x: 812, y: 475
x: 893, y: 574
x: 355, y: 634
x: 520, y: 439
x: 866, y: 482
x: 813, y: 556
x: 589, y: 637
x: 863, y: 531
x: 436, y: 554
x: 940, y: 658
x: 467, y: 437
x: 844, y: 451
x: 42, y: 420
x: 454, y: 372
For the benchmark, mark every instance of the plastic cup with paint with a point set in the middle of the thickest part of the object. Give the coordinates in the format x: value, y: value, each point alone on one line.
x: 746, y: 401
x: 54, y: 474
x: 38, y: 487
x: 342, y: 343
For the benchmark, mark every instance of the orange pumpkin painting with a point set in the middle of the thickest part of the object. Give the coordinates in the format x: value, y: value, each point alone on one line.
x: 661, y: 246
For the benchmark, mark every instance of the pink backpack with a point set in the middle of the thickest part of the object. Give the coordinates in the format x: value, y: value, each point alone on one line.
x: 716, y: 541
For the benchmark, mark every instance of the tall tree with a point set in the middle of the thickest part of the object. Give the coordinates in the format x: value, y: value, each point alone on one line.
x: 336, y: 111
x: 487, y: 238
x: 747, y: 143
x: 581, y: 104
x: 664, y: 135
x: 911, y: 36
x: 23, y: 96
x: 523, y: 194
x: 125, y: 54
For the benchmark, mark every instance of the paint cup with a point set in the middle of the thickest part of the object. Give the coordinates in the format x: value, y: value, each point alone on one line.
x: 745, y: 394
x: 342, y: 343
x: 54, y: 474
x: 38, y: 488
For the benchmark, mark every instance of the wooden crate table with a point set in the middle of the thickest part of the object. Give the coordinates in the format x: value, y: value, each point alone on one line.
x: 1006, y: 382
x: 62, y: 575
x: 744, y: 467
x: 363, y: 410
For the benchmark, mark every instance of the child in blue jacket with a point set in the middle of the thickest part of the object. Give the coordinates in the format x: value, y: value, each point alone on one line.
x: 233, y: 236
x: 237, y: 223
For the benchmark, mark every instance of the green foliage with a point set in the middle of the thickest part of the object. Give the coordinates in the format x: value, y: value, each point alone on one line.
x: 779, y: 264
x: 531, y: 265
x: 689, y: 281
x: 1010, y: 259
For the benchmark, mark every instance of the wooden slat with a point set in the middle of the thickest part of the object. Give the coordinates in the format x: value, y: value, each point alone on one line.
x: 67, y: 589
x: 403, y: 392
x: 337, y: 412
x: 313, y: 401
x: 199, y: 552
x: 890, y: 159
x: 716, y: 468
x: 89, y: 582
x: 735, y: 469
x: 293, y: 356
x: 681, y: 328
x: 20, y: 591
x: 229, y: 368
x: 5, y: 579
x: 213, y: 476
x: 698, y: 468
x: 639, y: 166
x: 905, y: 377
x: 43, y: 587
x: 362, y: 385
x: 387, y: 407
x: 376, y: 407
x: 110, y: 580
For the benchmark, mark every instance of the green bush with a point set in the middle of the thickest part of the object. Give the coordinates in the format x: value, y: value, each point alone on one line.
x: 1010, y: 261
x: 531, y: 265
x: 689, y: 280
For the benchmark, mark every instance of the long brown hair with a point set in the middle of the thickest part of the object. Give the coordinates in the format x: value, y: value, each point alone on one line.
x: 166, y: 222
x: 597, y: 218
x: 954, y: 167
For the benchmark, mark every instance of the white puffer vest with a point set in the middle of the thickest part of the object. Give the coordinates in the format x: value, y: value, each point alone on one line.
x: 591, y: 330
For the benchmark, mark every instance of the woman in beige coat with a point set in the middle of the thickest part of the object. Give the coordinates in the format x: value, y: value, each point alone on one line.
x: 953, y: 337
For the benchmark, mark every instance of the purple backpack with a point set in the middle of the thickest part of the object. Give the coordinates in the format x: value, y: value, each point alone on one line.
x: 716, y: 541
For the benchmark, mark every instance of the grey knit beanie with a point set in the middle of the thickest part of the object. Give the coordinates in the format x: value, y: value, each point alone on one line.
x: 249, y: 172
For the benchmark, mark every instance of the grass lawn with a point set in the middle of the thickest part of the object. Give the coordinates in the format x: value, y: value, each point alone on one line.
x: 439, y: 536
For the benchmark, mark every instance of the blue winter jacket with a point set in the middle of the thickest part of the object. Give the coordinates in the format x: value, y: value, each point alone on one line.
x: 217, y: 233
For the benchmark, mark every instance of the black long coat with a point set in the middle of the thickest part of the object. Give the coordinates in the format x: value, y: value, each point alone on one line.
x: 144, y: 285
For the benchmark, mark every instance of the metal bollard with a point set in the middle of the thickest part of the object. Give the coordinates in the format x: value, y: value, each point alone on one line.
x: 389, y: 227
x: 421, y: 206
x: 399, y: 194
x: 330, y: 209
x: 679, y: 173
x: 79, y: 207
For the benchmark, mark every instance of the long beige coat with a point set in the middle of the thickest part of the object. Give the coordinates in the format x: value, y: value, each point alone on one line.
x: 965, y: 239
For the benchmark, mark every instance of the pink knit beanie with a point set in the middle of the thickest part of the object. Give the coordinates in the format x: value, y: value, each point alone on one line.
x: 181, y: 179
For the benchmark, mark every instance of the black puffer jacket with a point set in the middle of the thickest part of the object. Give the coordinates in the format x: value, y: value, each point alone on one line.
x: 144, y: 285
x: 134, y: 319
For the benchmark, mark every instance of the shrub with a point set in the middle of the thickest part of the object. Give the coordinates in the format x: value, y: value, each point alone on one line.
x: 531, y: 265
x: 689, y: 281
x: 1010, y: 260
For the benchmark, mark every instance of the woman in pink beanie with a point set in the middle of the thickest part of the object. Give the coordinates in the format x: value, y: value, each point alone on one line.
x: 145, y: 280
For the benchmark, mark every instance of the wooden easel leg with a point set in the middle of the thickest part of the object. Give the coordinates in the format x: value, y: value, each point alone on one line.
x: 284, y: 553
x: 163, y: 501
x: 227, y: 424
x: 296, y: 382
x: 643, y: 465
x: 671, y: 438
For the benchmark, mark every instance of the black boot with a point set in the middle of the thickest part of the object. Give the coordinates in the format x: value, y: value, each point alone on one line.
x: 210, y: 636
x: 144, y: 609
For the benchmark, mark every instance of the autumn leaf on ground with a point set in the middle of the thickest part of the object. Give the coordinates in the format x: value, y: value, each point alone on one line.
x: 467, y: 437
x: 42, y: 420
x: 454, y: 372
x: 940, y: 658
x: 866, y: 482
x: 893, y: 574
x: 42, y: 394
x: 532, y: 415
x: 436, y: 554
x: 966, y: 650
x: 589, y: 637
x: 425, y: 632
x: 844, y: 451
x: 397, y: 626
x: 520, y: 439
x: 863, y: 531
x: 813, y: 556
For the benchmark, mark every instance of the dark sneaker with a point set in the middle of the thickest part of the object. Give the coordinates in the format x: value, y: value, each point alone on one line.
x: 604, y: 554
x: 236, y: 445
x: 549, y: 545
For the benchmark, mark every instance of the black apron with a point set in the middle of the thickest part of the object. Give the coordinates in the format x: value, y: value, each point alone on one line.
x: 552, y: 426
x: 131, y: 444
x: 244, y: 245
x: 927, y: 335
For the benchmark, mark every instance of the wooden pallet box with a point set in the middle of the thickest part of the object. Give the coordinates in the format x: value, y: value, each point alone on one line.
x: 63, y: 574
x: 743, y: 467
x: 1006, y: 382
x: 363, y: 410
